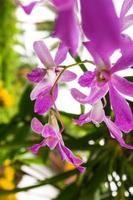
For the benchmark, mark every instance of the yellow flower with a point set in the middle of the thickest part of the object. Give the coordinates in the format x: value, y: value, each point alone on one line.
x: 6, y: 100
x: 8, y: 197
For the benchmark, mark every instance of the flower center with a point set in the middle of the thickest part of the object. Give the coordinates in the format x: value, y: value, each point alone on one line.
x: 103, y: 76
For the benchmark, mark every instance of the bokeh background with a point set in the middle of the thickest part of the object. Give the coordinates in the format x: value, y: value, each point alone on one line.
x: 109, y: 173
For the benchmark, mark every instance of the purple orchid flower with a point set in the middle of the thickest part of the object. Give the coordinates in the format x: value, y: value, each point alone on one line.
x: 45, y: 77
x: 67, y: 27
x: 97, y: 115
x: 66, y: 24
x: 53, y: 139
x: 104, y: 41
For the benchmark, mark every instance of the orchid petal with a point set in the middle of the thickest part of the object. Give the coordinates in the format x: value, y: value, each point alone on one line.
x: 67, y: 30
x: 43, y: 54
x: 48, y: 131
x: 96, y: 17
x: 61, y: 54
x: 68, y: 76
x: 127, y: 22
x: 28, y: 8
x: 51, y: 142
x: 116, y: 133
x: 36, y: 126
x: 124, y: 86
x: 79, y: 96
x: 63, y: 4
x: 42, y: 87
x: 67, y: 155
x: 125, y: 7
x: 83, y: 119
x: 36, y: 75
x: 126, y: 60
x: 122, y: 111
x: 86, y: 79
x: 44, y: 102
x: 35, y: 148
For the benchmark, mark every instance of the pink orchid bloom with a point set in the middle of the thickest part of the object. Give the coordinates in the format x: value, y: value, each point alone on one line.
x: 96, y: 116
x: 45, y: 77
x: 53, y: 139
x: 103, y: 42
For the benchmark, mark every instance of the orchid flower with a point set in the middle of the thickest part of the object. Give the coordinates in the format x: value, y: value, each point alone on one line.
x: 45, y: 77
x: 97, y: 115
x: 66, y: 24
x: 67, y: 27
x: 103, y: 42
x: 53, y: 139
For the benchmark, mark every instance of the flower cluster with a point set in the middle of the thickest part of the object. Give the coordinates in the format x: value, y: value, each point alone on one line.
x: 103, y: 32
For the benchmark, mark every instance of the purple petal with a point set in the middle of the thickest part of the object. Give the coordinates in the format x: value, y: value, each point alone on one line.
x: 67, y: 155
x: 42, y: 87
x: 100, y: 60
x: 44, y: 102
x: 96, y: 17
x: 122, y: 85
x: 79, y: 96
x: 83, y: 119
x: 68, y: 76
x: 48, y: 131
x: 127, y: 22
x: 63, y: 4
x: 86, y: 79
x: 97, y: 93
x: 61, y: 54
x: 28, y: 8
x: 125, y: 7
x: 51, y: 142
x: 126, y: 60
x: 35, y: 148
x: 43, y: 54
x: 67, y: 30
x: 122, y: 111
x: 116, y: 133
x: 36, y: 75
x: 36, y: 125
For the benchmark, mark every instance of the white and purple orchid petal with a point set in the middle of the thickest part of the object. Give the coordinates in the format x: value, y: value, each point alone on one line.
x: 42, y: 87
x: 35, y: 148
x: 29, y: 7
x: 79, y: 96
x: 127, y: 22
x: 127, y: 4
x: 48, y: 131
x: 97, y: 93
x: 61, y: 54
x: 36, y: 126
x: 67, y: 30
x: 36, y: 75
x: 63, y: 4
x: 126, y: 43
x: 116, y: 133
x: 122, y: 110
x: 96, y: 17
x: 86, y: 80
x: 126, y: 60
x: 44, y: 102
x: 67, y: 155
x: 68, y: 76
x: 124, y: 86
x: 51, y: 142
x: 83, y: 119
x: 43, y: 54
x: 97, y: 113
